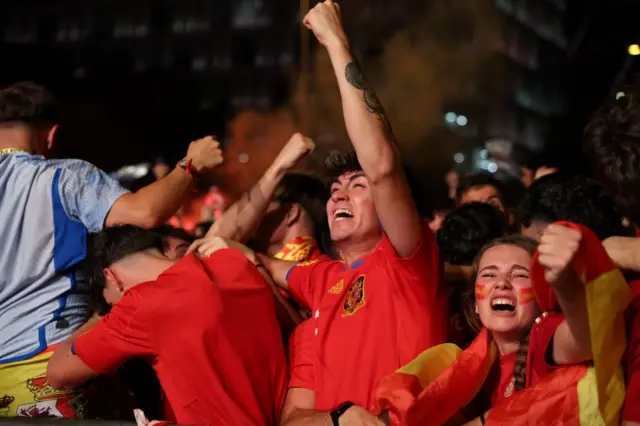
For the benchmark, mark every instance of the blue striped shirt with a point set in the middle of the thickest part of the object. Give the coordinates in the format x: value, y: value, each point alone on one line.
x: 47, y: 207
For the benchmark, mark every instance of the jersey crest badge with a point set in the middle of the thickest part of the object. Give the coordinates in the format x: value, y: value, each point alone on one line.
x: 354, y: 299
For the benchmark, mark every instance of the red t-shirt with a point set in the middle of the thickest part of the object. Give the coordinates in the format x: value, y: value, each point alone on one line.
x: 537, y: 364
x: 209, y: 329
x: 368, y: 319
x: 301, y: 356
x: 631, y: 409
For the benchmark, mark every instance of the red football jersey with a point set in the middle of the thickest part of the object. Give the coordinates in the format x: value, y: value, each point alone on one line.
x: 368, y: 319
x: 537, y: 363
x: 209, y: 329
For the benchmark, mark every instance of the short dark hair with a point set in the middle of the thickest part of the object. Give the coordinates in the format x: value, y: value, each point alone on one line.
x: 28, y: 103
x: 574, y: 198
x: 341, y: 162
x: 310, y: 193
x: 110, y: 246
x: 611, y: 144
x: 170, y: 231
x: 479, y: 179
x: 467, y: 229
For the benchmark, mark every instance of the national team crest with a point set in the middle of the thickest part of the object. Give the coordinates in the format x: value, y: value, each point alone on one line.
x: 354, y: 298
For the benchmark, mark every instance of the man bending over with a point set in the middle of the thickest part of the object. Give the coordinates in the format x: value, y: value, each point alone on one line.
x: 188, y: 318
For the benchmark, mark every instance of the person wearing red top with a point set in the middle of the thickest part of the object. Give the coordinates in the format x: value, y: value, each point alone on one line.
x: 539, y: 363
x: 625, y: 253
x: 383, y: 303
x: 283, y: 216
x: 531, y: 344
x: 216, y: 364
x: 611, y: 145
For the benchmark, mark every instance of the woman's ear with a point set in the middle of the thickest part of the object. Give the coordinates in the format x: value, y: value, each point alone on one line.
x: 293, y: 214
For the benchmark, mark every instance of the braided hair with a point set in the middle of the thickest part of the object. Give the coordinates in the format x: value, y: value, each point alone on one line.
x: 529, y: 245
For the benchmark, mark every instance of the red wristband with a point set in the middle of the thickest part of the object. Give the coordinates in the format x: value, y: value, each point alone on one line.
x: 187, y: 166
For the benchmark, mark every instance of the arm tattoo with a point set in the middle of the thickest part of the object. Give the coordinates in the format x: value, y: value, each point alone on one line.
x: 356, y: 78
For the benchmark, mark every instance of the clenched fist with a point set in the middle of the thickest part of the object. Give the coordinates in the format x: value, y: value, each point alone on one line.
x: 558, y: 246
x: 326, y: 23
x: 298, y: 147
x: 205, y: 154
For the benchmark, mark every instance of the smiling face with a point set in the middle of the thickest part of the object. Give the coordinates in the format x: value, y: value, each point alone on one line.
x: 350, y: 209
x: 505, y: 299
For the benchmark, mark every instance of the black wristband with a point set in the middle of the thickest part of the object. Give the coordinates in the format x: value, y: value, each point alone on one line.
x: 338, y: 412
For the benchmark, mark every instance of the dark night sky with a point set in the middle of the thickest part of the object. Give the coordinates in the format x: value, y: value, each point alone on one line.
x: 114, y: 117
x: 599, y: 33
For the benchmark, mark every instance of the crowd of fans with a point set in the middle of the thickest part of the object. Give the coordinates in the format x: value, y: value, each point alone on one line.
x: 319, y: 303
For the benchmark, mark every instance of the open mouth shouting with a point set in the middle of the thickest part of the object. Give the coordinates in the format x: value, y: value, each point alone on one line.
x: 503, y: 305
x: 341, y: 214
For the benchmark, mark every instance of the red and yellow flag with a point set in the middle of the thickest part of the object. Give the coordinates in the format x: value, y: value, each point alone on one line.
x: 298, y: 249
x: 435, y: 386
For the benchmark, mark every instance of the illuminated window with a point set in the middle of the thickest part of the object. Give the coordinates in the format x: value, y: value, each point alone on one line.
x: 286, y: 58
x: 221, y: 62
x: 186, y: 25
x: 249, y: 13
x: 199, y: 64
x: 130, y: 28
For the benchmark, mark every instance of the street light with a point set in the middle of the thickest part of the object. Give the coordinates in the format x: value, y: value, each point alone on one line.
x: 634, y: 50
x: 450, y: 117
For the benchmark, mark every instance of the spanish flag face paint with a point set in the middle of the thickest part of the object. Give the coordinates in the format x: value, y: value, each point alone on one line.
x: 526, y: 296
x: 481, y: 291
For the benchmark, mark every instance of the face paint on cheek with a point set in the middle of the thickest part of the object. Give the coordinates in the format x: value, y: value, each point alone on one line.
x: 526, y: 295
x: 481, y: 291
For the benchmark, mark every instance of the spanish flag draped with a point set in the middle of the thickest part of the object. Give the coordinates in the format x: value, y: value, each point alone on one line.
x: 435, y: 386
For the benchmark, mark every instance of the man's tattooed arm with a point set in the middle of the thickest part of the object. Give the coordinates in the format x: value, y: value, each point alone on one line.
x: 354, y: 75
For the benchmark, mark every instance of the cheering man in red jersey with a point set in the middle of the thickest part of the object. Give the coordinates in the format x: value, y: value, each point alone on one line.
x: 382, y: 303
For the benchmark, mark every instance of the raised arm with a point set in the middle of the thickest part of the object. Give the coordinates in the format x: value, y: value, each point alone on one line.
x: 572, y: 340
x: 242, y: 219
x: 370, y: 132
x: 154, y: 204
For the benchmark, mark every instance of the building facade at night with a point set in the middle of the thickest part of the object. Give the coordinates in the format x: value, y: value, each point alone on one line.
x: 211, y: 58
x: 235, y: 49
x: 151, y: 75
x: 532, y: 59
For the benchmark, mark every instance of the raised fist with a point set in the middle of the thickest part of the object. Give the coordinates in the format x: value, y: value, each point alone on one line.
x: 296, y: 148
x: 326, y: 23
x: 558, y: 246
x: 205, y: 154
